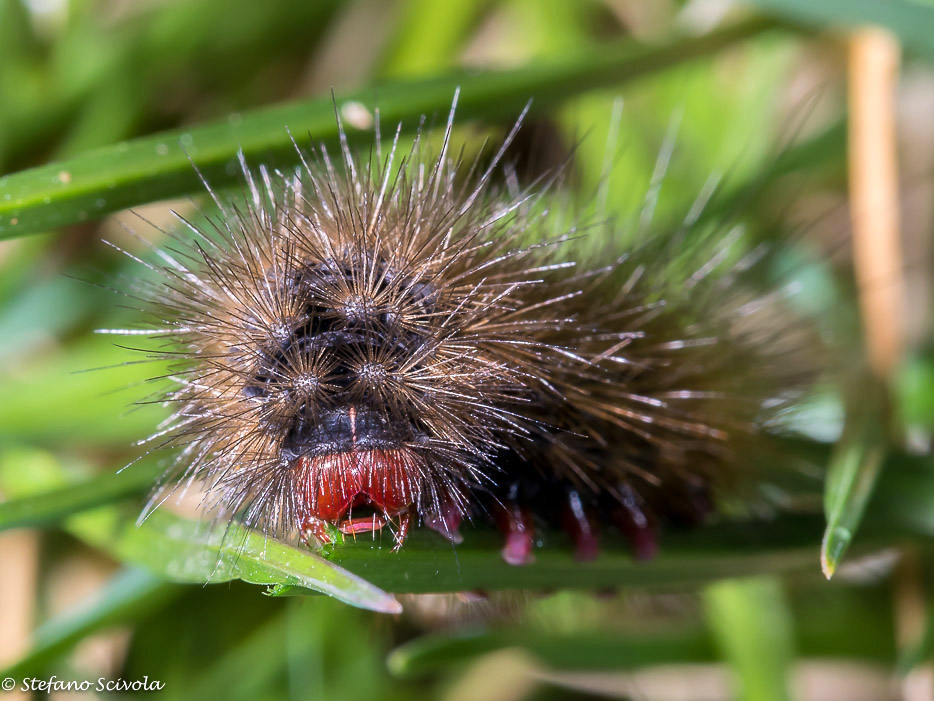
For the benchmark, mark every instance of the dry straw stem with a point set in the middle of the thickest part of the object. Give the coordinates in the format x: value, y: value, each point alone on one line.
x: 873, y: 75
x: 19, y: 552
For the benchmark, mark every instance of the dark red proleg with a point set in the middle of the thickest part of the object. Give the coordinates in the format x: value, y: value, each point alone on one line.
x: 447, y: 521
x: 582, y: 529
x: 636, y: 525
x: 516, y: 524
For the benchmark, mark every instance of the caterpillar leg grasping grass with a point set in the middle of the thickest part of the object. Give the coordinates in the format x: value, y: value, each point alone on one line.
x: 379, y: 342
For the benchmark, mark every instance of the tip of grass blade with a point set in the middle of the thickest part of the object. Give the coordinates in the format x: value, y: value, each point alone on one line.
x: 834, y: 545
x: 854, y: 468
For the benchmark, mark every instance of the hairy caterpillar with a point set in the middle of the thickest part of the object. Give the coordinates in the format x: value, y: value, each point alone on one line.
x: 378, y: 342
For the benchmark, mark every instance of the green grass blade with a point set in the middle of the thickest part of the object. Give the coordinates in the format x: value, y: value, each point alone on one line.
x: 177, y: 549
x: 582, y: 651
x: 838, y: 621
x: 912, y: 22
x: 53, y: 505
x: 428, y: 563
x: 158, y: 167
x: 191, y: 551
x: 83, y: 396
x: 248, y: 662
x: 752, y: 625
x: 853, y: 470
x: 129, y: 596
x: 431, y: 35
x: 913, y: 389
x: 188, y: 551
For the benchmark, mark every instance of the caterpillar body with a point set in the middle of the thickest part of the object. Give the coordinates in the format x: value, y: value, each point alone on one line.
x: 376, y: 342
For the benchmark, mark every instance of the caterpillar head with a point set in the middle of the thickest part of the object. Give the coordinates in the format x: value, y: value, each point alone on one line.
x: 378, y: 384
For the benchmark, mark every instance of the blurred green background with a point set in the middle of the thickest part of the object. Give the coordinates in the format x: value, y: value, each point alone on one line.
x: 760, y: 111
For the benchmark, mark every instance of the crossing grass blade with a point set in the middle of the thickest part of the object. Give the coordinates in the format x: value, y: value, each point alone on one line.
x: 158, y: 167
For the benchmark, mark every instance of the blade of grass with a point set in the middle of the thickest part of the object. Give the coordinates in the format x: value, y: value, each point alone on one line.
x: 317, y: 669
x: 844, y: 622
x: 246, y: 670
x: 81, y: 396
x: 853, y: 470
x: 128, y: 596
x: 178, y: 549
x: 430, y: 35
x: 188, y: 551
x: 914, y: 389
x: 584, y: 651
x: 752, y: 626
x: 912, y: 22
x: 158, y: 167
x: 428, y: 563
x: 51, y: 506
